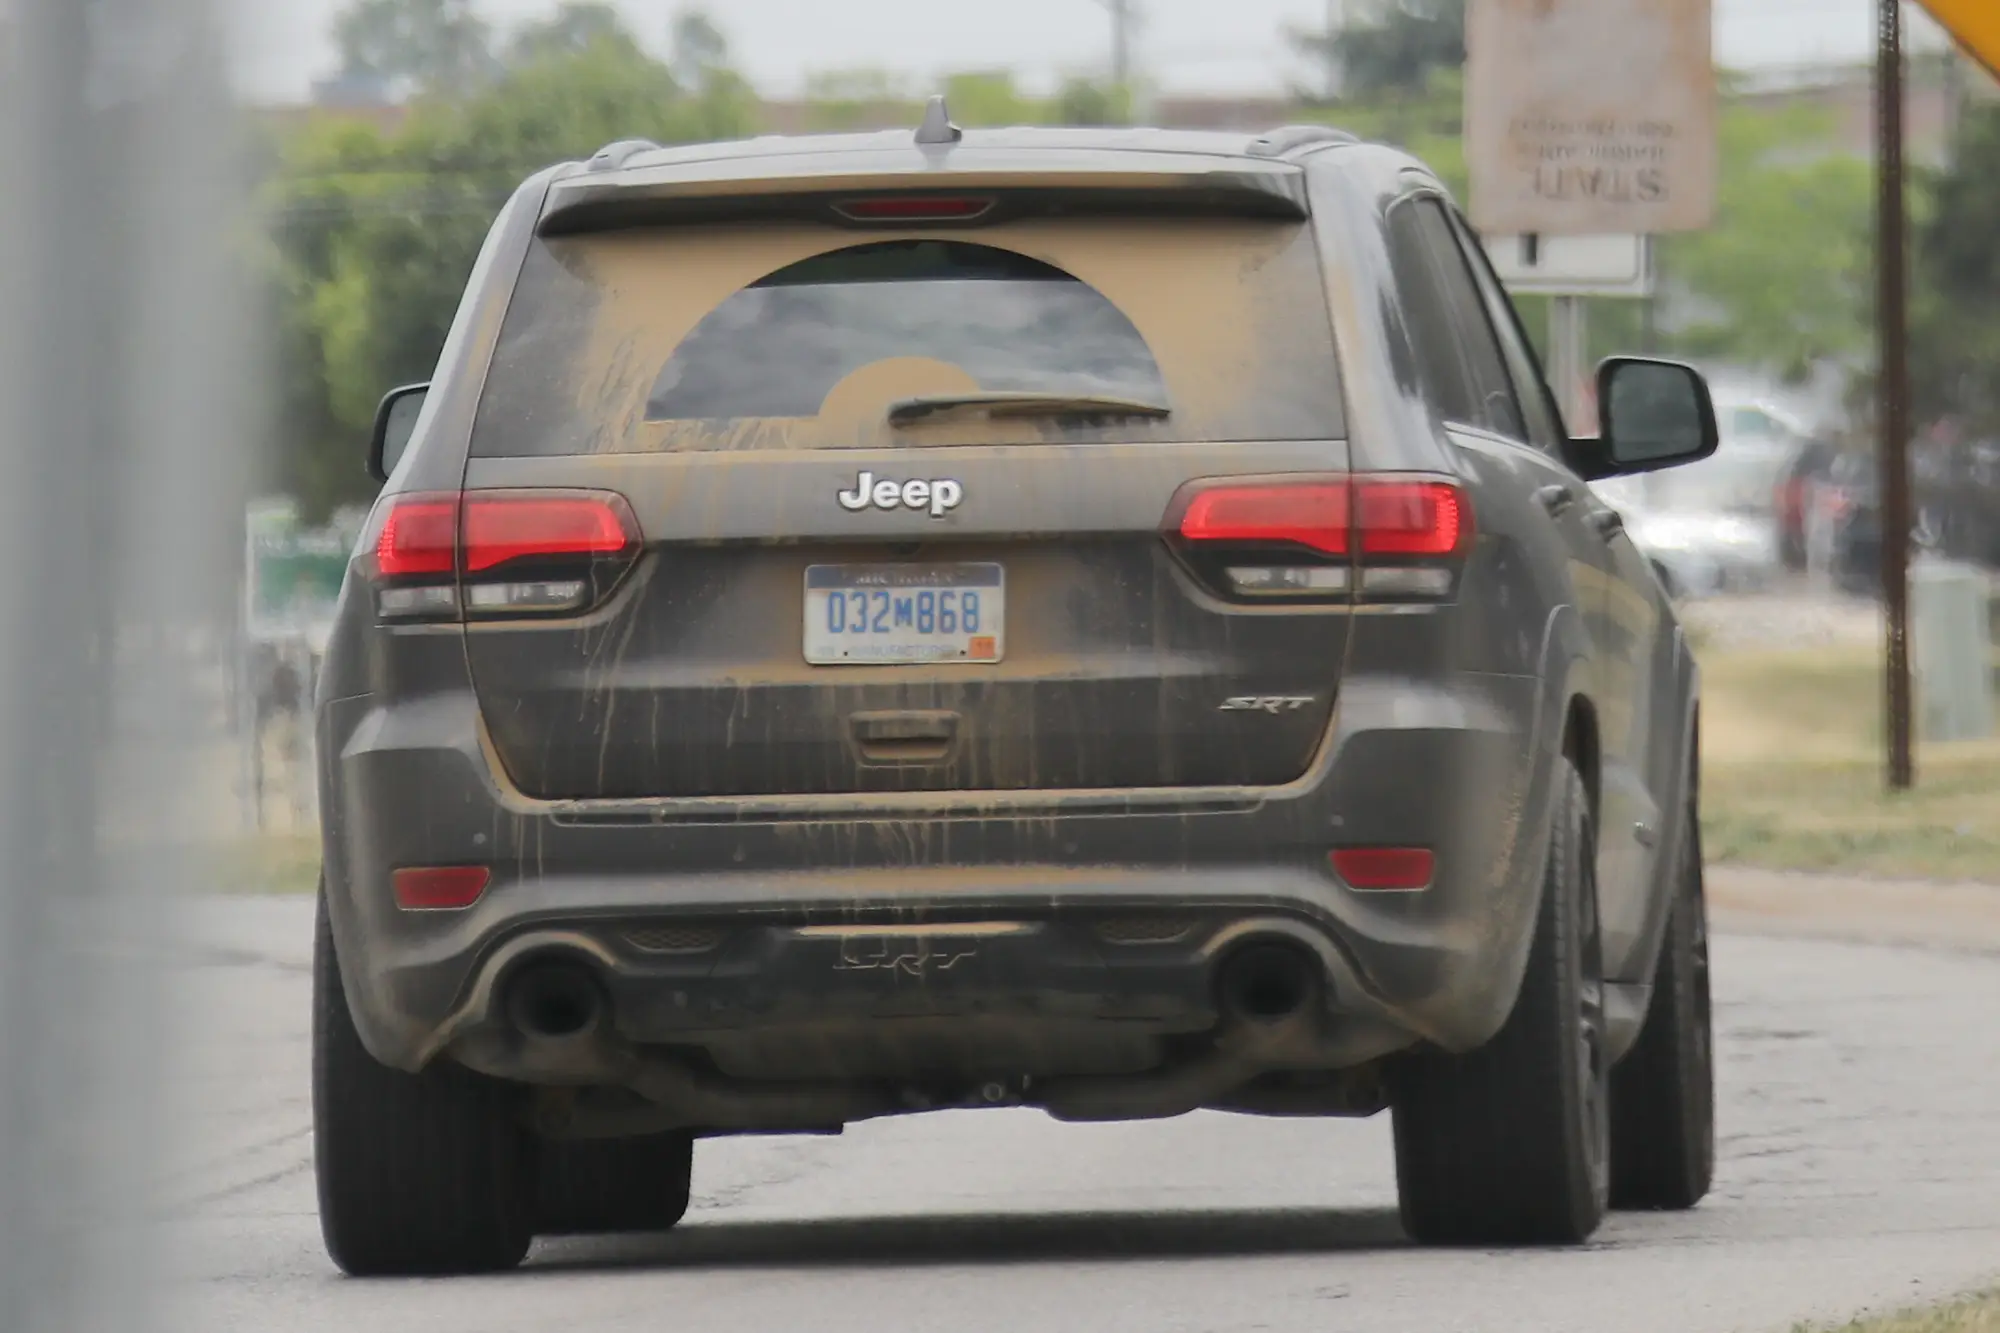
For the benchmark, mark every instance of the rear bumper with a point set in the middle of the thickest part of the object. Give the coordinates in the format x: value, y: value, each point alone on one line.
x: 1064, y: 934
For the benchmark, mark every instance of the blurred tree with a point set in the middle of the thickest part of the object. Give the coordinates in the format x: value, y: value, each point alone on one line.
x: 1781, y: 281
x: 1427, y: 123
x: 375, y: 234
x: 1955, y: 324
x: 700, y: 49
x: 433, y: 45
x: 1083, y: 101
x: 990, y: 98
x: 700, y: 65
x: 1390, y: 47
x: 853, y: 99
x: 575, y: 27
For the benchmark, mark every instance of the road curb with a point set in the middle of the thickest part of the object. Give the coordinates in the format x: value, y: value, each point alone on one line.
x: 1960, y: 917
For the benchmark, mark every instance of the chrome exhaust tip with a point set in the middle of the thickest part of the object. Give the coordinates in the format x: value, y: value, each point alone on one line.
x: 555, y: 1000
x: 1268, y: 983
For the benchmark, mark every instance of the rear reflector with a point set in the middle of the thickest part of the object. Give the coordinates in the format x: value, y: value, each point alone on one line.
x: 439, y: 888
x: 1381, y: 869
x: 914, y: 208
x: 1389, y: 518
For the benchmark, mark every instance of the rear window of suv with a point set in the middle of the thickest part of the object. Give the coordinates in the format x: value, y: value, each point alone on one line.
x: 792, y: 337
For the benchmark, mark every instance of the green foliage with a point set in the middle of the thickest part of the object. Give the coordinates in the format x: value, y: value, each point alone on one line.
x: 854, y: 99
x: 701, y: 52
x: 1783, y: 278
x: 374, y: 234
x: 1391, y: 49
x: 439, y: 45
x: 858, y: 99
x: 1955, y: 324
x: 990, y: 100
x: 1088, y: 102
x: 574, y: 28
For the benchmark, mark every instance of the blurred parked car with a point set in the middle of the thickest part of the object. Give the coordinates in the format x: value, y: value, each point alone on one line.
x: 1957, y: 487
x: 1847, y: 504
x: 1807, y: 467
x: 1707, y: 527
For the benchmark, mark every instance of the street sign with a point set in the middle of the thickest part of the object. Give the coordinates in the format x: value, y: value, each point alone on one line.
x: 1590, y: 117
x: 1573, y: 265
x: 1974, y: 24
x: 292, y: 574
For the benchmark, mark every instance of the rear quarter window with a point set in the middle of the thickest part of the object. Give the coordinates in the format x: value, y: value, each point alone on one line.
x: 794, y: 337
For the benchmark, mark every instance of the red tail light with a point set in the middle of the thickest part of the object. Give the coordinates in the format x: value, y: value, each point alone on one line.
x: 514, y: 552
x: 500, y: 528
x: 419, y: 536
x: 1422, y: 518
x: 1410, y: 518
x: 1312, y: 516
x: 1405, y: 533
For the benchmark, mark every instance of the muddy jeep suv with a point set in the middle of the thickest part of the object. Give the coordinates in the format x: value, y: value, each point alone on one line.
x: 1102, y: 621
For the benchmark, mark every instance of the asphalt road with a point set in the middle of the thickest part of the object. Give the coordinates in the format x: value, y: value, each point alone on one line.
x: 1860, y: 1169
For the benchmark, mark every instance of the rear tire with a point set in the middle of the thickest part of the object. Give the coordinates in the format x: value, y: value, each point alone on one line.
x: 1663, y: 1092
x: 600, y: 1186
x: 1510, y: 1144
x: 422, y: 1173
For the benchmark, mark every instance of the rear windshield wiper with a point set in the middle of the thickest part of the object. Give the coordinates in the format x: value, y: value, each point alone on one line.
x: 908, y: 410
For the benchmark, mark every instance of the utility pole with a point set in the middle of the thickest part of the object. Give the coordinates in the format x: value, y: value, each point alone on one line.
x: 1893, y: 404
x: 1336, y: 24
x: 1124, y: 19
x: 1121, y: 43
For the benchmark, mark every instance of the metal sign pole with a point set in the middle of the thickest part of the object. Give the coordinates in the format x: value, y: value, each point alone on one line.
x: 1893, y: 405
x: 1566, y: 357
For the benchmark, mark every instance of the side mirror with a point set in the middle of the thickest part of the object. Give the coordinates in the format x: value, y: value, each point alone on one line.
x: 395, y: 422
x: 1651, y: 415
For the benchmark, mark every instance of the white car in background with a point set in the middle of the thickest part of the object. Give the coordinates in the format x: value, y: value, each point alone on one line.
x: 1708, y: 527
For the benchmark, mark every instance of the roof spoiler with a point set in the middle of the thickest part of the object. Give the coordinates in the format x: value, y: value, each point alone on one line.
x: 822, y: 187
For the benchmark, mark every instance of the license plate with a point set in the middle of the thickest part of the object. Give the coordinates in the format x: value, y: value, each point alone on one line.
x: 861, y: 614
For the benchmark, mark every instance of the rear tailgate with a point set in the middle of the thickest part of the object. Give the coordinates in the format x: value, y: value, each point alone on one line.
x: 826, y: 602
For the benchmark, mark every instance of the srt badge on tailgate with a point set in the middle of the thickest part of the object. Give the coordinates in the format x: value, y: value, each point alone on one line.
x: 1266, y: 703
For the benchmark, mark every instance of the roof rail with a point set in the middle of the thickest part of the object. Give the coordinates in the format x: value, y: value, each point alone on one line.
x: 615, y: 155
x: 1288, y: 138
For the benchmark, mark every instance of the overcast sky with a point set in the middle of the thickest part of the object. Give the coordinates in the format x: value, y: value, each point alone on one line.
x: 1185, y: 45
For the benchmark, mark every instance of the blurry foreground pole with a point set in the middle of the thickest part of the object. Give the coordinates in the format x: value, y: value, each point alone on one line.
x: 1893, y: 397
x: 112, y: 379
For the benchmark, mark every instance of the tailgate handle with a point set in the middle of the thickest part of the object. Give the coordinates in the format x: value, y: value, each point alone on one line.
x: 904, y: 737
